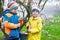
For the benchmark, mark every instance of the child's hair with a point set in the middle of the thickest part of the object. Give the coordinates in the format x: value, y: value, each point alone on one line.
x: 35, y: 10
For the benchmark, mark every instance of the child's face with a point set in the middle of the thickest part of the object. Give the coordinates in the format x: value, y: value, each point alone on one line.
x: 34, y: 14
x: 14, y: 11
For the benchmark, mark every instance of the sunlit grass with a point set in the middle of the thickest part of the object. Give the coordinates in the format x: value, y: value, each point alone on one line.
x: 53, y: 30
x: 1, y: 34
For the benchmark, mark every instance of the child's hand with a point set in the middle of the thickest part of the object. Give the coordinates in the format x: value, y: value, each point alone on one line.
x: 18, y: 25
x: 21, y: 22
x: 29, y: 29
x: 24, y: 33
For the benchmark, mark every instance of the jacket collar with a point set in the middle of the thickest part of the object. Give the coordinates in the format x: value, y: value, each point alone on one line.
x: 35, y: 18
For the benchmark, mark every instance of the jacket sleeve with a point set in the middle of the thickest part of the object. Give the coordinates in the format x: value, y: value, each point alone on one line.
x: 27, y: 24
x: 35, y: 30
x: 10, y: 25
x: 39, y: 27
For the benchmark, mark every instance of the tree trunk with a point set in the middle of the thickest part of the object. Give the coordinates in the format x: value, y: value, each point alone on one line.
x: 1, y: 9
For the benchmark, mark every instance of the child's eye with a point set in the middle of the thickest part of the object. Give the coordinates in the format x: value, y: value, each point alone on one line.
x: 15, y: 9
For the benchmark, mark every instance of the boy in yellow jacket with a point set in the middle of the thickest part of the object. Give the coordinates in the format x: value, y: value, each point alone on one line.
x: 34, y: 26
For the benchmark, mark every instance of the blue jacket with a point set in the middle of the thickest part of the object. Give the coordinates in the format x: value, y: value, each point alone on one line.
x: 14, y: 33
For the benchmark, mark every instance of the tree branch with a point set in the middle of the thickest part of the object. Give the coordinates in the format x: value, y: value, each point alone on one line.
x: 22, y: 11
x: 39, y: 2
x: 43, y: 5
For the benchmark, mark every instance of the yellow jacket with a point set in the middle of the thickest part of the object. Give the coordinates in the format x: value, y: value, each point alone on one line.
x: 36, y: 26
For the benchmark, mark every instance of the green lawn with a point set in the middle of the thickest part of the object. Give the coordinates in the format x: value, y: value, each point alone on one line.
x: 53, y: 30
x: 1, y: 35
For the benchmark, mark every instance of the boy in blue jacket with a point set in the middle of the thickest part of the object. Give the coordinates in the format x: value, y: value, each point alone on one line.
x: 12, y: 26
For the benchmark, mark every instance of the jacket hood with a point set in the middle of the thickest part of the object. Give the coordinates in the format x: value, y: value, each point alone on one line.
x: 7, y: 11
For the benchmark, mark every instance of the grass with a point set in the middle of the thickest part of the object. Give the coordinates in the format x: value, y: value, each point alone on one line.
x: 1, y: 35
x: 24, y: 29
x: 53, y: 30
